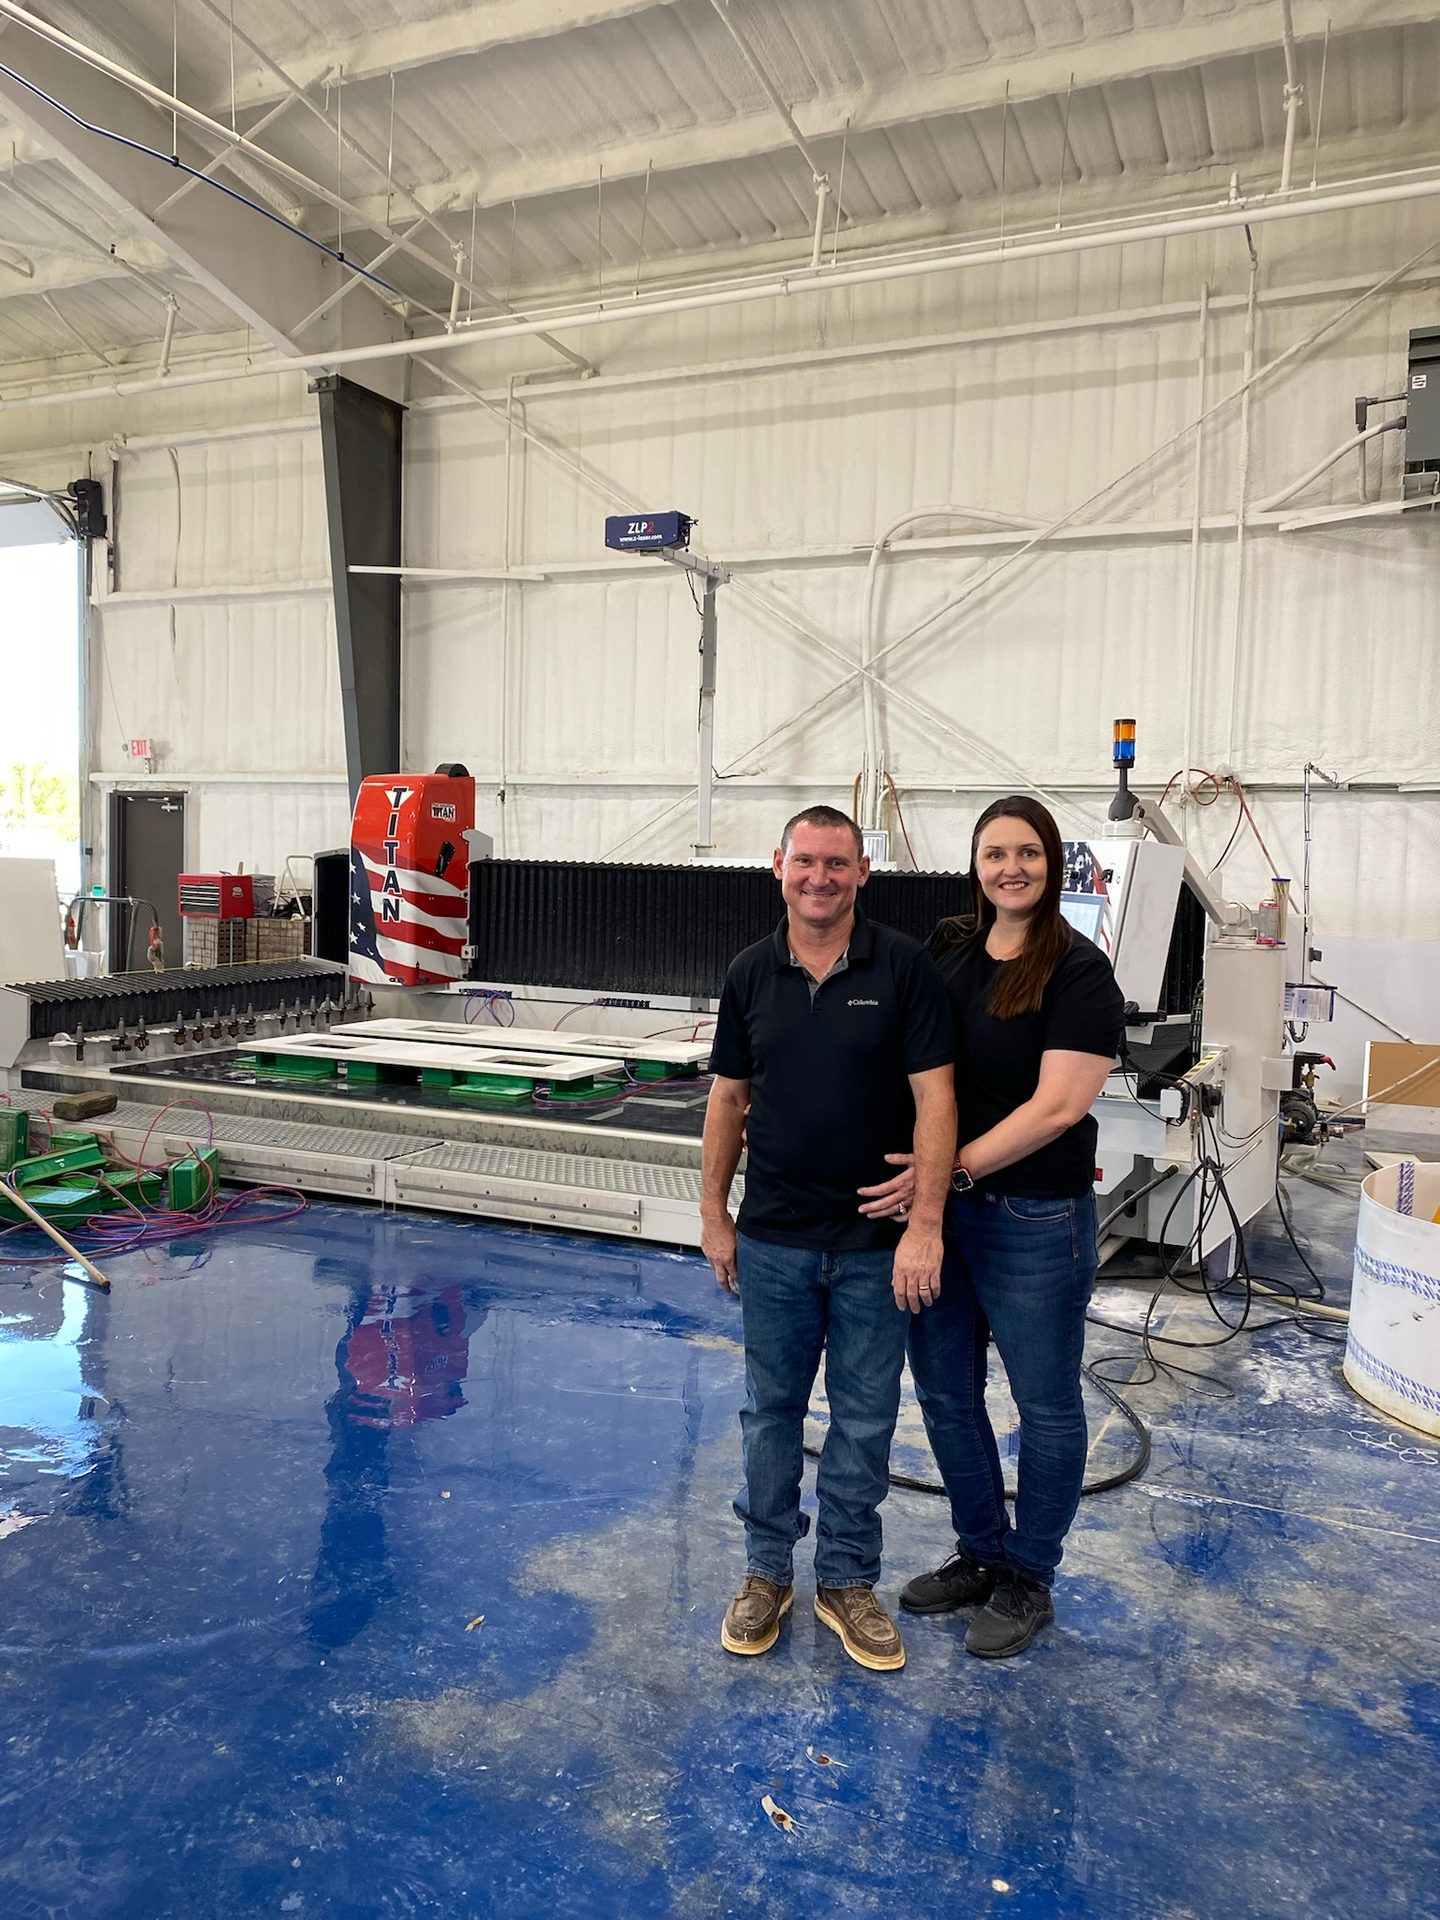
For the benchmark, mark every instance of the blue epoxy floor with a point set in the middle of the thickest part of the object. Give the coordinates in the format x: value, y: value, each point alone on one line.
x: 252, y: 1514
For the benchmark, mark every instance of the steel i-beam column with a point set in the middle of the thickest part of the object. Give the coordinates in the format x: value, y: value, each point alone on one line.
x: 362, y: 438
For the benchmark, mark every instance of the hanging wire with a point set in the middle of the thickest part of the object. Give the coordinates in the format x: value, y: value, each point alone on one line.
x: 390, y: 154
x: 644, y: 210
x: 840, y: 192
x: 1004, y: 155
x: 234, y: 121
x: 340, y: 161
x: 474, y: 217
x: 1320, y: 108
x: 1064, y: 149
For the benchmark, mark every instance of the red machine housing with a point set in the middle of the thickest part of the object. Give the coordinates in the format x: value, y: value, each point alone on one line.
x: 410, y: 878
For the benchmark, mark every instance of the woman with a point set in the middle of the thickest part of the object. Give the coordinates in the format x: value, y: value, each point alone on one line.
x: 1038, y: 1019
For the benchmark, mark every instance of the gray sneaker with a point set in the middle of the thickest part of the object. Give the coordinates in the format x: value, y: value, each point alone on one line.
x: 752, y: 1619
x: 866, y: 1631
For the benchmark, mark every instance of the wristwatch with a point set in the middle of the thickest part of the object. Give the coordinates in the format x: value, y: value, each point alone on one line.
x: 960, y: 1180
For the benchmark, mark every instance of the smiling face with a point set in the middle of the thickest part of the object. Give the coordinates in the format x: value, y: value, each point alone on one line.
x: 820, y: 872
x: 1011, y: 866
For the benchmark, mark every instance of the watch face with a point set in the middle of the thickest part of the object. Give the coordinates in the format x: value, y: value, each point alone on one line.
x: 960, y: 1181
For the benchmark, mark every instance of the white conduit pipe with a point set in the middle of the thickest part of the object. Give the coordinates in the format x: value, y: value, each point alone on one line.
x: 1293, y: 487
x: 1251, y: 378
x: 774, y: 287
x: 1242, y: 392
x: 1242, y: 488
x: 784, y: 286
x: 1294, y: 93
x: 1197, y: 484
x: 771, y: 91
x: 822, y: 200
x: 873, y: 763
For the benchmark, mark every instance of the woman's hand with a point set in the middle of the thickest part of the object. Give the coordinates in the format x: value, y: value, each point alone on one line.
x: 891, y: 1199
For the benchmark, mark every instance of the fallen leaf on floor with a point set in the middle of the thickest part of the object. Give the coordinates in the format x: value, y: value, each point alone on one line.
x: 778, y: 1817
x: 478, y: 1621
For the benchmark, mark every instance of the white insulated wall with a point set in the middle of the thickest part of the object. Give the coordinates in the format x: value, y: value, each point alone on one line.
x: 576, y: 695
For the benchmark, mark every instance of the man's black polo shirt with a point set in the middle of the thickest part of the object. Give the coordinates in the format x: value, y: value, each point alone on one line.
x: 829, y: 1093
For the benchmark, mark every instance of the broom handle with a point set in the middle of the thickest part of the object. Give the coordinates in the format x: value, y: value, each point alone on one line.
x: 55, y: 1234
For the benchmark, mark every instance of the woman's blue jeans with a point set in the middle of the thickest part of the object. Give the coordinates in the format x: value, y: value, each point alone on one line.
x: 798, y: 1302
x: 1022, y: 1271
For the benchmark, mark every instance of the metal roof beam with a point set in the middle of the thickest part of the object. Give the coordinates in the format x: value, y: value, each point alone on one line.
x: 267, y: 276
x: 467, y: 31
x: 63, y: 272
x: 1043, y: 74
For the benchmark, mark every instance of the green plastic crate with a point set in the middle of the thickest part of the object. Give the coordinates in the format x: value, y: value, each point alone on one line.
x: 193, y: 1181
x: 14, y: 1135
x: 65, y: 1141
x: 45, y: 1167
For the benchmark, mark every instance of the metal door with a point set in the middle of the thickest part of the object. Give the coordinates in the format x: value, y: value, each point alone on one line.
x: 147, y: 857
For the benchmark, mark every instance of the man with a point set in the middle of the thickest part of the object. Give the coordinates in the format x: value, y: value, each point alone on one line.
x: 834, y: 1041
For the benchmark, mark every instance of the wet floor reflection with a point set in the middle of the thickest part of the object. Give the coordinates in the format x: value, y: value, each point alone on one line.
x: 51, y: 1412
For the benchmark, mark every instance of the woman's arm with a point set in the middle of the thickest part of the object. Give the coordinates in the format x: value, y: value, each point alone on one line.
x: 1068, y: 1086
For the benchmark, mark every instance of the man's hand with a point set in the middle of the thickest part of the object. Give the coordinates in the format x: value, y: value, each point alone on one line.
x: 717, y: 1243
x: 891, y: 1199
x: 917, y: 1269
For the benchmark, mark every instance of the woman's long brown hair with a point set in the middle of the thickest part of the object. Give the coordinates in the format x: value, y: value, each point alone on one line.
x: 1020, y: 984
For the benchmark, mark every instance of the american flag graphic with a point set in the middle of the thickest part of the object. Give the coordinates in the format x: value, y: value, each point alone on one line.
x: 409, y: 880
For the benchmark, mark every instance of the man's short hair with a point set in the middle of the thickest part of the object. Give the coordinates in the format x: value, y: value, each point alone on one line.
x: 823, y: 817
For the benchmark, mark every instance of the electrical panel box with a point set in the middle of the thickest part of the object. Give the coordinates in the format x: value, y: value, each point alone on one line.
x: 1422, y: 411
x: 647, y: 532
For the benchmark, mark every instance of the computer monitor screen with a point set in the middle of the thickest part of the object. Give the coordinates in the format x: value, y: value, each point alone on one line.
x: 1084, y: 911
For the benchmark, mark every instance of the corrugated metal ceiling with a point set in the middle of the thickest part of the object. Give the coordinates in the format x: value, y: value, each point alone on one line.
x: 511, y: 138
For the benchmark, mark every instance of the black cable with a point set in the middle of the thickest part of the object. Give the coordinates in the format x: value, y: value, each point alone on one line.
x: 1131, y: 1199
x: 1211, y: 1173
x: 1284, y: 1213
x: 1132, y: 1468
x: 208, y: 180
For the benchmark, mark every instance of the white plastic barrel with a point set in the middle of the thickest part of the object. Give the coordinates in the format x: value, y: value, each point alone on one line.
x: 1392, y: 1352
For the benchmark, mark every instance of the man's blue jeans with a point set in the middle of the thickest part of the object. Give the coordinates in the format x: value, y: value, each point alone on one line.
x: 1023, y: 1271
x: 798, y: 1302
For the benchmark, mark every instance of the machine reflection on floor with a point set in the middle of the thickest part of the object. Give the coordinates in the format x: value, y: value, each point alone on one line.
x: 372, y: 1566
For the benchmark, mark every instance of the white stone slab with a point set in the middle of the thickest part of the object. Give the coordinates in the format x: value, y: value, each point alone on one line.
x: 30, y: 946
x: 518, y: 1063
x: 680, y: 1053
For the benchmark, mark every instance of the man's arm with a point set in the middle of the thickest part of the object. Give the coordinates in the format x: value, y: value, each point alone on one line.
x: 720, y: 1155
x: 917, y: 1258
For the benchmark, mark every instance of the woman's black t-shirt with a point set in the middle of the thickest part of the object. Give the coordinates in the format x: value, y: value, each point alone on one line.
x: 997, y: 1062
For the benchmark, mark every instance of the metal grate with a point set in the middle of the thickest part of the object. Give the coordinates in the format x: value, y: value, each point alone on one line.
x: 563, y: 1170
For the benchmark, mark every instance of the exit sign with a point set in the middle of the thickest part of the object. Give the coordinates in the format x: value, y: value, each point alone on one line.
x: 139, y: 749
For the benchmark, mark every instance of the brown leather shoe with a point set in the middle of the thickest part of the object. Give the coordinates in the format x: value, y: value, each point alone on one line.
x: 866, y: 1631
x: 752, y: 1619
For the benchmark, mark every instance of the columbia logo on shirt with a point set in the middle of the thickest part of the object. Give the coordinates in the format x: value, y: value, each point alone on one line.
x: 862, y: 1003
